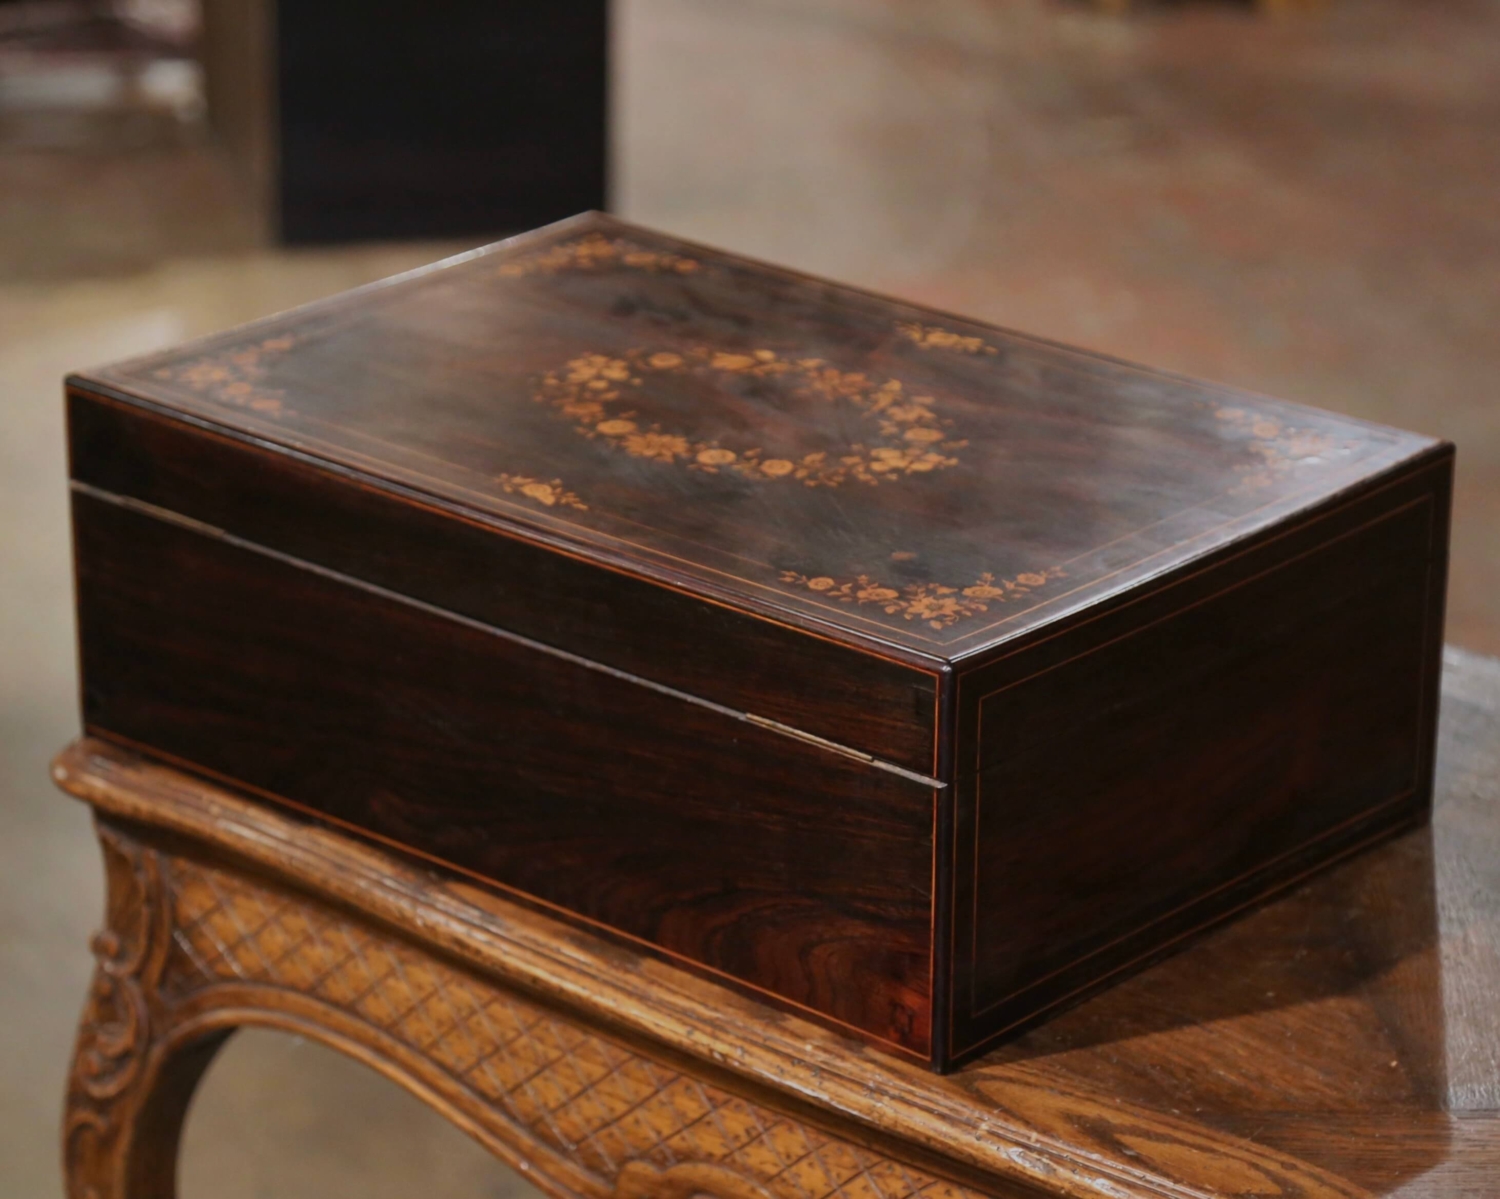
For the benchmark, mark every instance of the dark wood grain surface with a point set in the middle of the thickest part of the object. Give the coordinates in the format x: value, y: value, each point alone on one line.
x: 883, y: 473
x: 776, y: 863
x: 1340, y: 1043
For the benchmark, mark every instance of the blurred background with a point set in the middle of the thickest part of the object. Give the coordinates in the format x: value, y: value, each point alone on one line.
x: 1299, y: 198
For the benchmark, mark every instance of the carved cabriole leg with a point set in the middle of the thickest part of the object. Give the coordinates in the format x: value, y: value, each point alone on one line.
x: 194, y: 949
x: 130, y: 1084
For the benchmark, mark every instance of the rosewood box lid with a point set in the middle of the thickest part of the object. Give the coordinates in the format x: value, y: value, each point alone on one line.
x: 872, y: 470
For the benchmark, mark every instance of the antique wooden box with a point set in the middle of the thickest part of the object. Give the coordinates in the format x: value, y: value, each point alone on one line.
x: 906, y: 672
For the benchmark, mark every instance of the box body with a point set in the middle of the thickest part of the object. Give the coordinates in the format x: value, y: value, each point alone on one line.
x: 913, y: 675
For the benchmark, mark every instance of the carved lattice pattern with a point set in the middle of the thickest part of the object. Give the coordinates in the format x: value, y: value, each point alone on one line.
x: 581, y: 1094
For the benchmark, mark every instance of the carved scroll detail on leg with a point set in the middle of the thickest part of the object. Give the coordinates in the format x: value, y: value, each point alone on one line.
x: 124, y: 1109
x: 116, y: 1024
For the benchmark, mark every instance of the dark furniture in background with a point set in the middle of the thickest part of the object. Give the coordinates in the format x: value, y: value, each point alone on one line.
x: 354, y: 121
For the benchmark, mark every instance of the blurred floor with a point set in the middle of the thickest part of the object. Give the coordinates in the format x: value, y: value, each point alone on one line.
x: 1307, y: 207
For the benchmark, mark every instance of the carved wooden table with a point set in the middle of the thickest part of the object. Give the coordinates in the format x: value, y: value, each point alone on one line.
x: 1343, y: 1041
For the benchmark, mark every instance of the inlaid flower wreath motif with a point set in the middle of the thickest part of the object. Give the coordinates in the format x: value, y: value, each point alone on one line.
x: 603, y: 396
x: 935, y: 604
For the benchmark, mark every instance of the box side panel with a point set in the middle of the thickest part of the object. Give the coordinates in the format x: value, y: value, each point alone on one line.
x: 1150, y: 771
x: 776, y: 864
x: 869, y: 703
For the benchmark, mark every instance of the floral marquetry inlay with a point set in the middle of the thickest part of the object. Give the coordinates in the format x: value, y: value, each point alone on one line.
x: 597, y: 252
x: 1277, y: 447
x: 931, y: 337
x: 234, y: 376
x: 616, y: 399
x: 935, y: 604
x: 550, y: 494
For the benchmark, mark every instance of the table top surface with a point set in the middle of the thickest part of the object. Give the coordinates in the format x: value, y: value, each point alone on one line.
x: 1341, y: 1041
